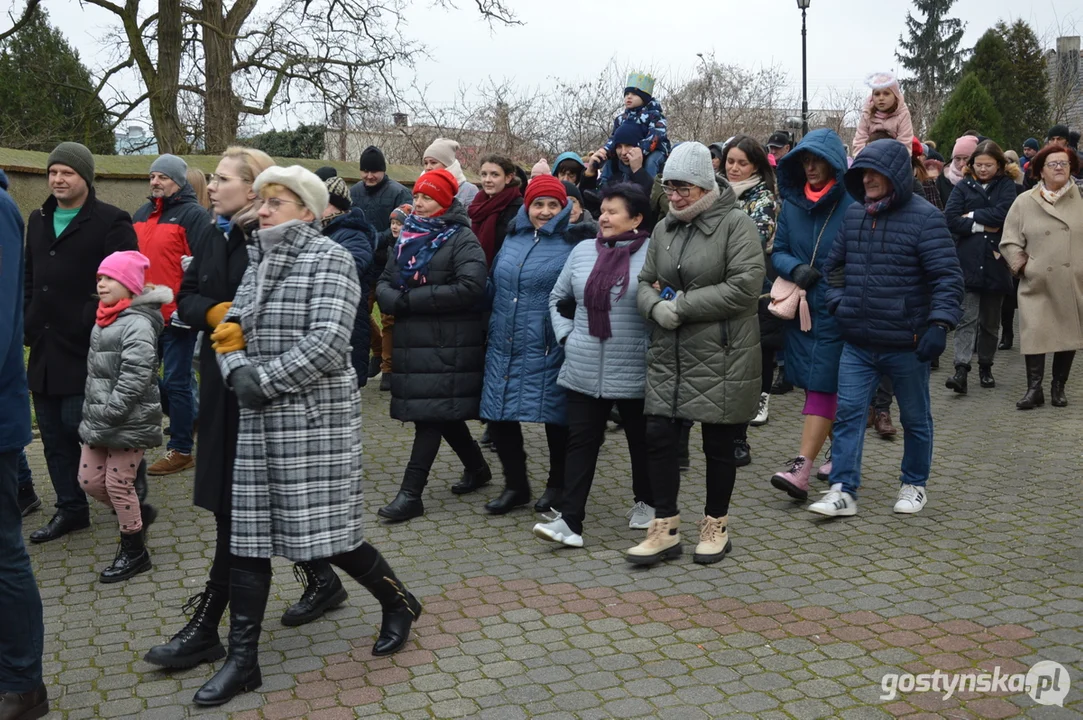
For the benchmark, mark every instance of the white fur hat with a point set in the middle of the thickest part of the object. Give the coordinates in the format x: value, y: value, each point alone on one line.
x: 303, y: 183
x: 882, y: 81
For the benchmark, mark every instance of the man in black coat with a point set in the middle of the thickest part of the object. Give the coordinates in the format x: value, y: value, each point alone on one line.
x: 66, y: 240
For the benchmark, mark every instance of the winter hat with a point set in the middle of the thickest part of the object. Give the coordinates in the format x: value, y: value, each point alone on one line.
x: 883, y: 81
x: 545, y: 186
x: 438, y: 184
x: 326, y: 172
x: 540, y: 168
x: 443, y: 150
x: 642, y: 85
x: 1073, y: 140
x: 690, y: 162
x: 172, y: 167
x: 402, y: 212
x: 917, y: 148
x: 339, y: 194
x: 79, y: 158
x: 1055, y: 131
x: 301, y: 182
x: 964, y: 146
x: 629, y: 133
x: 1032, y: 143
x: 127, y: 267
x: 573, y: 191
x: 1012, y: 156
x: 372, y: 160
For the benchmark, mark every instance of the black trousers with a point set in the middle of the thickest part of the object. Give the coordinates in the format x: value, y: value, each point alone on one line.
x: 587, y: 417
x: 884, y: 392
x: 427, y: 437
x: 508, y: 442
x: 663, y: 434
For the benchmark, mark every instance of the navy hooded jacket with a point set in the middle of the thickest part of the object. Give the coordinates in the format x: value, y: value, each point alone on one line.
x: 354, y: 233
x: 901, y: 268
x: 14, y: 397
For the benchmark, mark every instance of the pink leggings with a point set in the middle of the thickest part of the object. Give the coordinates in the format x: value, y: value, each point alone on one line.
x: 821, y: 404
x: 108, y: 475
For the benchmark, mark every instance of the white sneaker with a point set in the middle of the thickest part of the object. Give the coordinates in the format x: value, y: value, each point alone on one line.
x: 641, y: 515
x: 761, y: 415
x: 912, y: 499
x: 556, y: 530
x: 835, y: 503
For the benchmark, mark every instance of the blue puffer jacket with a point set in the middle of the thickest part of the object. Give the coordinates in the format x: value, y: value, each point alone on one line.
x: 901, y: 269
x: 523, y: 358
x: 14, y: 397
x: 354, y: 233
x: 812, y: 358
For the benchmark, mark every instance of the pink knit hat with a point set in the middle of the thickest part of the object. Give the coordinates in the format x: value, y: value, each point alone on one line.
x: 965, y: 146
x: 127, y: 267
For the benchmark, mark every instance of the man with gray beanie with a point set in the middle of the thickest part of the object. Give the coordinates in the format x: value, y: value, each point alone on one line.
x: 66, y: 240
x: 169, y: 226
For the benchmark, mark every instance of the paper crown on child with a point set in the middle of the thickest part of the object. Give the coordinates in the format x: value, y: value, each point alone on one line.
x: 640, y: 81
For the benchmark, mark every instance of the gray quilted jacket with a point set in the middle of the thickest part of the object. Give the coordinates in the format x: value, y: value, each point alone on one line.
x: 121, y: 405
x: 616, y: 368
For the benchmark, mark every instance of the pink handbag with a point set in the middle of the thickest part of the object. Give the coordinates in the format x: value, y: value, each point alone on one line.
x: 789, y: 301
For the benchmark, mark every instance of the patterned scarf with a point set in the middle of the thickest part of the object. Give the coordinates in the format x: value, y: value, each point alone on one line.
x: 107, y: 314
x: 875, y: 207
x: 1051, y: 196
x: 740, y: 187
x: 611, y: 269
x: 418, y: 242
x: 484, y: 212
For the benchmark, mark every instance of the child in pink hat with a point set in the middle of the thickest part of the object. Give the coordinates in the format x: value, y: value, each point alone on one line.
x: 884, y: 110
x: 122, y: 411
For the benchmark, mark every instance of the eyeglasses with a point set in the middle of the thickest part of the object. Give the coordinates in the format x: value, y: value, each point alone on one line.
x: 275, y: 204
x: 218, y: 179
x: 1058, y: 164
x: 682, y: 190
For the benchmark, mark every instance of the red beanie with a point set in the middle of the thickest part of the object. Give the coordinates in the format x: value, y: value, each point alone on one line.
x: 545, y: 186
x: 916, y: 147
x: 438, y: 184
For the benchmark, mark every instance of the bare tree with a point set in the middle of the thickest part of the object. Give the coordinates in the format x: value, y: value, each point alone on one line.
x: 19, y: 22
x: 840, y: 110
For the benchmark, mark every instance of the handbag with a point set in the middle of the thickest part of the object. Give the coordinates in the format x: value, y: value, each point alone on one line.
x: 787, y: 299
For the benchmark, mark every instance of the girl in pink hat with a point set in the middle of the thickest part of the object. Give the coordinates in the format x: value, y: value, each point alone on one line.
x: 885, y: 110
x: 122, y: 411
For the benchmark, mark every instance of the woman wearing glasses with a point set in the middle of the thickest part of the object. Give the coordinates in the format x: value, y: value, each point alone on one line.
x: 975, y: 213
x: 1043, y: 244
x: 700, y: 287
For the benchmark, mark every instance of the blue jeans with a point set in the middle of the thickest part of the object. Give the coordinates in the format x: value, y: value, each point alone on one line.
x: 859, y: 377
x: 22, y: 632
x: 176, y: 386
x: 58, y: 420
x: 653, y: 163
x: 26, y: 478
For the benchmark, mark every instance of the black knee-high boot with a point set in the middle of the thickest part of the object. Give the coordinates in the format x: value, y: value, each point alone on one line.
x: 248, y: 593
x: 1034, y: 397
x: 1062, y: 365
x: 400, y: 607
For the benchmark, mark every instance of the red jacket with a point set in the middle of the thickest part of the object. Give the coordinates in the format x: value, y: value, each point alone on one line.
x: 167, y: 229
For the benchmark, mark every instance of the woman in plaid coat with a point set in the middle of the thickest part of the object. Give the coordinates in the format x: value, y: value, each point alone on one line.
x: 284, y: 349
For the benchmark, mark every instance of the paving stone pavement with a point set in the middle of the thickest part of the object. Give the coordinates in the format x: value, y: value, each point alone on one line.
x: 802, y: 620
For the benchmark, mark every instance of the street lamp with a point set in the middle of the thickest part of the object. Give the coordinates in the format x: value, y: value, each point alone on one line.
x: 803, y: 4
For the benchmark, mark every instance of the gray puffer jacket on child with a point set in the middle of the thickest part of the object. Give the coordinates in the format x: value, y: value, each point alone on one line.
x: 121, y: 406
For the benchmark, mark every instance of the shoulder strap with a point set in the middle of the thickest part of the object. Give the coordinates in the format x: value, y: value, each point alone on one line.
x: 823, y: 227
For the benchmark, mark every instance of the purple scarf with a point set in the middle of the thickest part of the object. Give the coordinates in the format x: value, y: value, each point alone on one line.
x: 610, y: 270
x: 873, y: 207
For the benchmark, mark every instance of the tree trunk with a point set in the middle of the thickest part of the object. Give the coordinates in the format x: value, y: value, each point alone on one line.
x: 168, y: 128
x: 219, y: 107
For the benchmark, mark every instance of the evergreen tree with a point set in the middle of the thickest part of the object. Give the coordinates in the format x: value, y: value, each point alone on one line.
x: 1027, y: 112
x: 969, y: 108
x: 46, y: 93
x: 304, y: 142
x: 930, y: 52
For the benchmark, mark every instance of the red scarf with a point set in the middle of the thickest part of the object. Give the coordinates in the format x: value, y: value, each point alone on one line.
x: 484, y: 212
x: 107, y: 314
x: 816, y: 195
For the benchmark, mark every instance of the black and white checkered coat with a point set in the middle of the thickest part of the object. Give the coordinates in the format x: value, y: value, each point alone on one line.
x: 297, y: 479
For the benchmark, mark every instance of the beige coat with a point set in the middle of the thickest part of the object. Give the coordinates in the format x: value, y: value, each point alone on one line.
x: 1049, y: 240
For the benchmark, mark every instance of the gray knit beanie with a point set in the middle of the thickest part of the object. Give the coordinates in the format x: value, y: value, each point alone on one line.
x: 172, y: 167
x: 690, y: 162
x: 77, y: 157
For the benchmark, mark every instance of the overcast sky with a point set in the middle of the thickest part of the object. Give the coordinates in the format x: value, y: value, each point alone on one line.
x: 847, y: 39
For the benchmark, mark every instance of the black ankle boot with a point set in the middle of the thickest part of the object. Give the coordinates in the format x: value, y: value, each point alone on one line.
x: 400, y: 608
x: 323, y: 592
x: 985, y: 375
x: 1033, y: 397
x: 548, y: 499
x: 407, y: 504
x: 742, y: 453
x: 511, y: 498
x: 247, y: 601
x: 132, y: 558
x: 957, y: 382
x: 474, y: 479
x: 197, y: 641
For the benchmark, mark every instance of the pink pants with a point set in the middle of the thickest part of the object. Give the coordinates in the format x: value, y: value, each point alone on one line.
x: 108, y: 475
x: 821, y: 404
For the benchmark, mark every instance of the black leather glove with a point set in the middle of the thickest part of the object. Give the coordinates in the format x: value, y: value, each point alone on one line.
x: 836, y: 278
x: 245, y: 383
x: 805, y: 276
x: 566, y: 308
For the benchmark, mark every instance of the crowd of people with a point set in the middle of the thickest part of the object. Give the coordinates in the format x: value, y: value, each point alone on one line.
x: 656, y: 284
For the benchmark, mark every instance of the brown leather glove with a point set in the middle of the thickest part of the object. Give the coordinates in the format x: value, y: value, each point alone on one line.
x: 227, y: 337
x: 217, y: 313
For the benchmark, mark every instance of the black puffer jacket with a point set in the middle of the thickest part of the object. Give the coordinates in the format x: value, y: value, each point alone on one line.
x: 440, y: 329
x: 984, y: 269
x: 354, y: 233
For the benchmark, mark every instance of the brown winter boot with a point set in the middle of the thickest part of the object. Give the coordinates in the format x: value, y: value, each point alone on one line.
x: 663, y: 542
